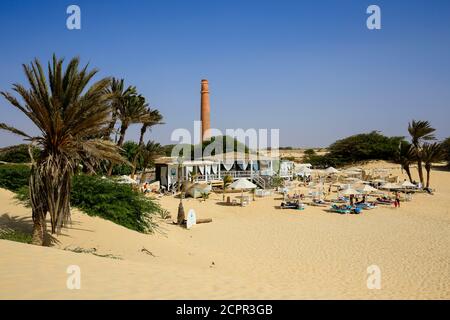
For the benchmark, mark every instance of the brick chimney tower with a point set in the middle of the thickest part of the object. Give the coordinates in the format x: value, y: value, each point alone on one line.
x: 205, y: 110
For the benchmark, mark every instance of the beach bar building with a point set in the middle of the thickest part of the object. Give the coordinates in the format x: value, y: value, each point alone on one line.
x: 212, y: 169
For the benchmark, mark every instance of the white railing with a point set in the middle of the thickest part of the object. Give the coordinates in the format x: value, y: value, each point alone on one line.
x: 255, y: 175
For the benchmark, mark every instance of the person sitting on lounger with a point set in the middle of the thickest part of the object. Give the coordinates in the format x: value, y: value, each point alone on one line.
x: 363, y: 200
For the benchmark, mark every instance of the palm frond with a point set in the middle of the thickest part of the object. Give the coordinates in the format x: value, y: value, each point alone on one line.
x: 4, y: 126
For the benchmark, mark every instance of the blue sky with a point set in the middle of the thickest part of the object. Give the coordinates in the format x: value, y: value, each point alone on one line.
x: 310, y: 68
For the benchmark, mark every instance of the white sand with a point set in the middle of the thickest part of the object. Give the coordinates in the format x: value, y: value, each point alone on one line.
x: 259, y: 252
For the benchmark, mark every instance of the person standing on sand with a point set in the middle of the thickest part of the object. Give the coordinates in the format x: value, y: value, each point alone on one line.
x: 397, y: 200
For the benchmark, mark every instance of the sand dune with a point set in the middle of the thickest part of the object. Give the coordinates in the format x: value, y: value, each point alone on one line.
x: 255, y: 252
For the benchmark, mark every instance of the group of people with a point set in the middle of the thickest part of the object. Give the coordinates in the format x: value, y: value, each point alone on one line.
x: 145, y: 188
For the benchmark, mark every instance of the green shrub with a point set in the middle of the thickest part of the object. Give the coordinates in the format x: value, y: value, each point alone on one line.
x: 277, y: 182
x: 118, y: 203
x: 13, y: 176
x: 15, y: 235
x: 23, y: 195
x: 17, y: 154
x: 164, y: 214
x: 366, y: 146
x: 356, y: 148
x: 446, y: 148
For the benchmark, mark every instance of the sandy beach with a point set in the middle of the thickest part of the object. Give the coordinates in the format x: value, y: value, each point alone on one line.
x: 253, y: 252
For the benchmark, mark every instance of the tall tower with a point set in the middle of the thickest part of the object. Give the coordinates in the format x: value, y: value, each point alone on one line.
x: 205, y: 110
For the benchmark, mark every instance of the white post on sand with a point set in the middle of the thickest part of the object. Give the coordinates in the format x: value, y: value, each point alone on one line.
x: 251, y: 169
x: 191, y: 219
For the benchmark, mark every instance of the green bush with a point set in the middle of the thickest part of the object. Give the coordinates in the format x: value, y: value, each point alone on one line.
x: 446, y: 147
x: 17, y: 154
x: 118, y: 203
x: 15, y: 235
x: 356, y: 148
x: 105, y: 198
x: 23, y: 195
x: 13, y: 176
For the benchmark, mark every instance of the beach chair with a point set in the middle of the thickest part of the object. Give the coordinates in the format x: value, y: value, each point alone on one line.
x: 340, y: 209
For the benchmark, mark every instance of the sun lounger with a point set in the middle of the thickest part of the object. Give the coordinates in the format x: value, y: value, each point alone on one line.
x: 319, y: 203
x: 292, y: 205
x: 340, y: 200
x: 340, y: 209
x: 385, y: 201
x: 365, y: 206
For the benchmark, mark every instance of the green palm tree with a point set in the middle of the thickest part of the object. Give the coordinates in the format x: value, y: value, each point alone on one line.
x: 119, y: 94
x: 68, y: 113
x: 420, y: 131
x: 431, y: 153
x: 132, y: 110
x: 227, y: 180
x: 153, y: 118
x: 405, y: 156
x: 150, y: 152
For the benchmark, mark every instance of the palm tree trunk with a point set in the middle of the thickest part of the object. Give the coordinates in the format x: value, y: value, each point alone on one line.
x: 420, y: 170
x: 143, y: 174
x: 133, y: 167
x: 123, y: 130
x: 428, y: 169
x: 111, y: 126
x: 39, y: 208
x: 143, y: 131
x: 141, y: 145
x: 408, y: 172
x: 39, y: 229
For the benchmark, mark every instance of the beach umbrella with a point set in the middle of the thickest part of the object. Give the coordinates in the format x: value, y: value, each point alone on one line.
x: 408, y: 184
x: 391, y: 186
x: 331, y: 170
x: 243, y: 184
x: 350, y: 191
x: 368, y: 189
x: 353, y: 180
x: 303, y: 171
x: 126, y: 180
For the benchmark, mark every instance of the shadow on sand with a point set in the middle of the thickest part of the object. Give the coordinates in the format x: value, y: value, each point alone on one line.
x: 9, y: 222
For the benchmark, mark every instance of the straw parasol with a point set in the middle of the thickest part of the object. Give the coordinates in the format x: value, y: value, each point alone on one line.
x: 368, y: 189
x: 391, y: 186
x: 126, y: 180
x: 350, y: 191
x: 331, y: 170
x: 407, y: 184
x: 243, y: 184
x: 353, y: 180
